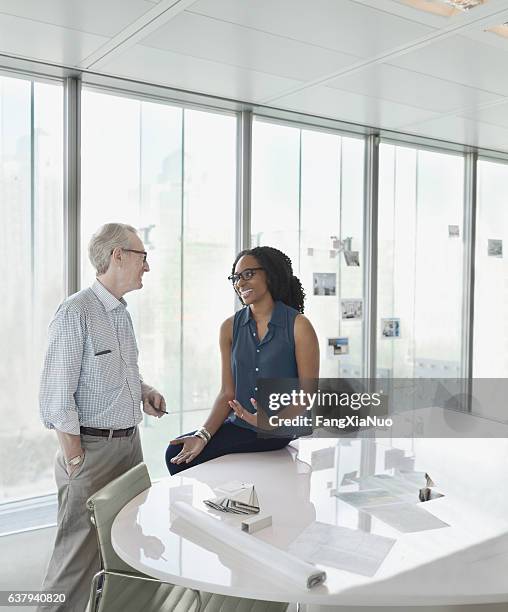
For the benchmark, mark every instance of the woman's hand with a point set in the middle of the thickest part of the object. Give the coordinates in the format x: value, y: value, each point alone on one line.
x: 245, y: 415
x: 192, y: 446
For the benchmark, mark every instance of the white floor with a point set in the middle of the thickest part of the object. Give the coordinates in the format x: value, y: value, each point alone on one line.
x: 23, y: 560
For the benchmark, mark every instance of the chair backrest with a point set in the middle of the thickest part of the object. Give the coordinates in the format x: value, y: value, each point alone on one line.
x: 107, y: 503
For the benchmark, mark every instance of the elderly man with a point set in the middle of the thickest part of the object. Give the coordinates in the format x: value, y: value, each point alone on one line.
x: 91, y: 392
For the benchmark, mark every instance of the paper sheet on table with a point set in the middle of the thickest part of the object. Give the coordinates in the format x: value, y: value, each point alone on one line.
x: 347, y: 549
x: 407, y: 518
x: 393, y: 499
x: 397, y: 485
x: 365, y: 499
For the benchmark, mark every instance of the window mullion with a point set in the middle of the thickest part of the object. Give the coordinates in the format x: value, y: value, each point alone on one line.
x: 72, y: 186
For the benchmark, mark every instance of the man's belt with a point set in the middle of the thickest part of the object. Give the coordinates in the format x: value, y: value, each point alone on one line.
x: 107, y: 433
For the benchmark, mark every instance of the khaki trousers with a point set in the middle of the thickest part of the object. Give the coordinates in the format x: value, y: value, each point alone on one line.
x: 75, y: 557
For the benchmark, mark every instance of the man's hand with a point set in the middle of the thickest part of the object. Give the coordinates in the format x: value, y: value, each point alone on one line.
x: 72, y: 468
x: 71, y: 447
x: 154, y: 403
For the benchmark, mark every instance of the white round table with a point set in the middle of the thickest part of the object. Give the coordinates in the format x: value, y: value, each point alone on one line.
x: 466, y: 562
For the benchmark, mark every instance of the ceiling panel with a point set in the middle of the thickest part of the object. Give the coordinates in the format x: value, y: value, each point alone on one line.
x: 354, y: 108
x: 255, y: 50
x: 202, y: 76
x: 462, y: 130
x: 496, y: 115
x: 93, y: 16
x: 342, y: 25
x: 198, y: 36
x: 45, y: 42
x: 461, y: 60
x: 411, y: 88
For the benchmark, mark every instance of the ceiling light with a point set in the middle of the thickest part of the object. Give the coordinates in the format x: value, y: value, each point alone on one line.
x: 500, y: 30
x: 445, y: 8
x: 464, y: 5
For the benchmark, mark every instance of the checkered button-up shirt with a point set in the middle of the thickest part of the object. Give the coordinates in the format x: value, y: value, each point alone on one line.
x: 90, y: 376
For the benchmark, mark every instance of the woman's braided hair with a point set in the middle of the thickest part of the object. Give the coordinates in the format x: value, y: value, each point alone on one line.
x: 281, y: 282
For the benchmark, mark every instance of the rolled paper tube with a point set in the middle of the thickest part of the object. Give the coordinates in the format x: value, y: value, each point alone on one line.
x: 292, y: 568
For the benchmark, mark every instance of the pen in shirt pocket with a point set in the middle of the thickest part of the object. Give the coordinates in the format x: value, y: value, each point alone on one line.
x: 102, y: 352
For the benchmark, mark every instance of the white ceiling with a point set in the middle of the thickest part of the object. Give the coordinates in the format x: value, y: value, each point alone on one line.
x: 375, y: 62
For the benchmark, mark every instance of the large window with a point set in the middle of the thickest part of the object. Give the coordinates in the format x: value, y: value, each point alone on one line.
x: 491, y: 273
x: 32, y: 249
x: 172, y: 174
x: 420, y: 263
x: 307, y: 200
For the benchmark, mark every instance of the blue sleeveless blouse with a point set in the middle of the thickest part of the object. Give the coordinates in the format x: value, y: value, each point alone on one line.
x: 273, y: 357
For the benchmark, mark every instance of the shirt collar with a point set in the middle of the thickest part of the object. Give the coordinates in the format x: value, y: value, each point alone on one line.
x: 108, y: 300
x: 277, y: 315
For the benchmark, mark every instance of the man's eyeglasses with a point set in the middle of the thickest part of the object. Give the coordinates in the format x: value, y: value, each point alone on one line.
x: 246, y: 275
x: 144, y: 253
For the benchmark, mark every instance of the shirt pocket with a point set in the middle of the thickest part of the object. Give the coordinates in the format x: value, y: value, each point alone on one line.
x: 109, y: 368
x: 102, y: 369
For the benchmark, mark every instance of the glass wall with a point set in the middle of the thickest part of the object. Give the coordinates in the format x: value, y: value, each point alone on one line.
x: 275, y: 190
x: 32, y: 249
x: 420, y: 263
x: 307, y: 200
x: 172, y: 174
x: 490, y: 358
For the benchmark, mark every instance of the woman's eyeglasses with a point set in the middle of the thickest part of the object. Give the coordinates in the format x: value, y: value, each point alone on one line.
x: 245, y: 275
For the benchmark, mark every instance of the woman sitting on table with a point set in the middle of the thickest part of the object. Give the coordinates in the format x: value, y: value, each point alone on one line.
x: 267, y: 339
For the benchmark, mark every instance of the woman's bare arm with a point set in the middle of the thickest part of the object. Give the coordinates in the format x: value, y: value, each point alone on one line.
x: 306, y: 349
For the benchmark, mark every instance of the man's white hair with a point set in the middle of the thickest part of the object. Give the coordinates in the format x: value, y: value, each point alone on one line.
x: 105, y: 240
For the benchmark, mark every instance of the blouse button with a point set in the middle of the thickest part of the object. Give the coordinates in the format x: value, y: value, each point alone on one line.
x: 255, y: 388
x: 257, y: 350
x: 257, y: 369
x: 253, y: 333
